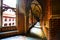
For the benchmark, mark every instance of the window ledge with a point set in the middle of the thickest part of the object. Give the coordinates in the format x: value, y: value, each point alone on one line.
x: 8, y: 32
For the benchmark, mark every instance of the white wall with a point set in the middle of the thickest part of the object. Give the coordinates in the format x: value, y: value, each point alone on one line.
x: 9, y: 22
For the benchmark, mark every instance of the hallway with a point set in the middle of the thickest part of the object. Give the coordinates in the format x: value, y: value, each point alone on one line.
x: 30, y: 20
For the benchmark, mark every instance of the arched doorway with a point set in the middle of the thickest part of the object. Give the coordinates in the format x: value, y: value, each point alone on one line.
x: 34, y: 17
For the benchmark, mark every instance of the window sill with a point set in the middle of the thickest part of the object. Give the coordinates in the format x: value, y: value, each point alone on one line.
x: 8, y: 32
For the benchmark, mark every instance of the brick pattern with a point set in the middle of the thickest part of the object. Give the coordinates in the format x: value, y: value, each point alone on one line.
x: 4, y: 29
x: 54, y: 29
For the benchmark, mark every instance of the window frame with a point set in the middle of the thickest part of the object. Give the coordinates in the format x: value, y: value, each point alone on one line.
x: 7, y: 28
x: 2, y: 16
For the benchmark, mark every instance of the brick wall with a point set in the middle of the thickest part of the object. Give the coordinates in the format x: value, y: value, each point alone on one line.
x: 54, y: 29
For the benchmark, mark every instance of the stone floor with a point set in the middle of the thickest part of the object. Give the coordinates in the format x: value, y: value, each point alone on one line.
x: 37, y: 30
x: 20, y: 38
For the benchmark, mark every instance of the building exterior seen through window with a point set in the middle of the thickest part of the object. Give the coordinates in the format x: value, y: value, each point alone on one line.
x: 8, y: 13
x: 9, y: 18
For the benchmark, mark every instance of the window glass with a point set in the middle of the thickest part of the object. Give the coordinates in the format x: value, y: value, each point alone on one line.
x: 8, y: 13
